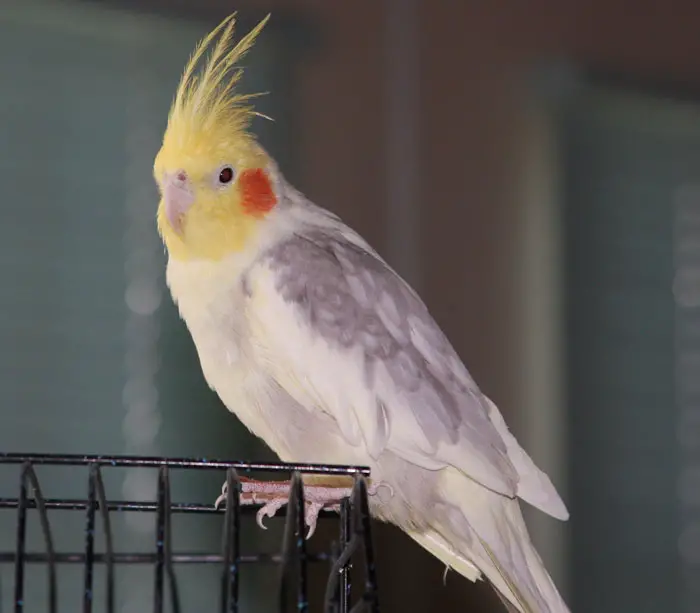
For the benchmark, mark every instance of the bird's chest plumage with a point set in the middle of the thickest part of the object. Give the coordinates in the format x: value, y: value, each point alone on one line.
x: 212, y: 301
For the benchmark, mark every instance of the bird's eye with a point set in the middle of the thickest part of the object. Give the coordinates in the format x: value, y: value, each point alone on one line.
x: 226, y: 175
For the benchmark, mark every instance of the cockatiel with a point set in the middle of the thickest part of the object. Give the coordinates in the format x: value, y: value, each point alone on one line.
x: 325, y: 353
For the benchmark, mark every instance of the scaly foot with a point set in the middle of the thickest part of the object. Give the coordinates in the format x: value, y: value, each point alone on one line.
x: 273, y: 495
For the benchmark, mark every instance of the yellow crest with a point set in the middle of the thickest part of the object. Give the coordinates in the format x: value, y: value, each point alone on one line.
x: 205, y: 102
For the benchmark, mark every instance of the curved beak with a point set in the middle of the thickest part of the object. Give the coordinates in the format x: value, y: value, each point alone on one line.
x: 178, y: 198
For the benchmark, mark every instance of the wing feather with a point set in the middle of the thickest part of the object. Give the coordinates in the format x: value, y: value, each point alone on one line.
x: 343, y: 333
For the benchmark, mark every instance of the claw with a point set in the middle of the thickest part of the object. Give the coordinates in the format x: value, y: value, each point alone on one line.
x: 311, y: 517
x: 448, y: 568
x: 269, y: 510
x: 374, y: 488
x: 222, y: 496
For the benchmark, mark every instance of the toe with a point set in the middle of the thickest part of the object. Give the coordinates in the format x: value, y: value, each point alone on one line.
x: 269, y: 510
x: 222, y: 496
x: 260, y: 516
x: 311, y: 517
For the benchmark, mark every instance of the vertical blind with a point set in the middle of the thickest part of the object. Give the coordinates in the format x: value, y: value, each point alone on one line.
x: 632, y: 165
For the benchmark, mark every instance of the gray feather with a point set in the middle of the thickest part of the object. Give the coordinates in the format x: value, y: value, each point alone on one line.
x: 354, y: 300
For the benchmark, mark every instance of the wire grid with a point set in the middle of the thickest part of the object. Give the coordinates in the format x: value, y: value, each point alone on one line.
x: 354, y: 534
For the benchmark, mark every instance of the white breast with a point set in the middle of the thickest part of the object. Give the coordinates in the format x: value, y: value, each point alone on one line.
x: 211, y: 300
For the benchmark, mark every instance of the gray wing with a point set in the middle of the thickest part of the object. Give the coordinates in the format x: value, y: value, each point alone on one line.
x: 399, y: 384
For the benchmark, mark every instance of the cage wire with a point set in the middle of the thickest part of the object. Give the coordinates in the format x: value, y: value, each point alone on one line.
x: 353, y: 523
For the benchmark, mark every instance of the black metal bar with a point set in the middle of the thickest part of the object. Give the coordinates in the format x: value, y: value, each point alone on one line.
x: 297, y: 490
x: 294, y: 547
x: 28, y: 474
x: 363, y: 529
x: 333, y: 605
x: 191, y: 463
x: 341, y: 563
x: 232, y: 544
x: 168, y: 545
x: 107, y: 530
x: 151, y: 558
x: 164, y: 553
x: 90, y: 542
x: 160, y: 543
x: 344, y: 584
x: 336, y: 597
x: 73, y: 504
x: 286, y: 553
x: 21, y: 542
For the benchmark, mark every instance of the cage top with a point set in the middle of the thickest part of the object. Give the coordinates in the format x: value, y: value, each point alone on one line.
x: 56, y: 459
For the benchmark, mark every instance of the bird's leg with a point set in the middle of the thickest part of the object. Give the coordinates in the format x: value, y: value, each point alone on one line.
x: 320, y: 492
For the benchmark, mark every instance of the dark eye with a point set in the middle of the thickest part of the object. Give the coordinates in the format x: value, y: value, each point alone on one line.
x: 226, y: 175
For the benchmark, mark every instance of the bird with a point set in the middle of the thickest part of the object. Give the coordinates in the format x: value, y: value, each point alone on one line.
x: 325, y: 353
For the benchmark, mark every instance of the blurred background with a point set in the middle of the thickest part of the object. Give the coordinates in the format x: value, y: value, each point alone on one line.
x: 533, y: 169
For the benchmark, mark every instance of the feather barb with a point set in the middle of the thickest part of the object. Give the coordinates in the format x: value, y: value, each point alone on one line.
x: 206, y: 97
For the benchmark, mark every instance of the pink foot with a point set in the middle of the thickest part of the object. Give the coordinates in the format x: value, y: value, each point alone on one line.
x: 275, y: 494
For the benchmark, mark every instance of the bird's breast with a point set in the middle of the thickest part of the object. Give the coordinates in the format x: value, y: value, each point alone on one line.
x: 211, y: 300
x: 214, y: 307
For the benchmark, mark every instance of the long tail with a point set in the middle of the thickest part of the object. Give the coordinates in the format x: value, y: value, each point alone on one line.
x: 485, y: 533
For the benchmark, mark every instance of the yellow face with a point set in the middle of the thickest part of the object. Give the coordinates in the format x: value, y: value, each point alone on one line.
x: 212, y: 196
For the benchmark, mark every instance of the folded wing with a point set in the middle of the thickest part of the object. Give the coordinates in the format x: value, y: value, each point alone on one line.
x: 344, y: 334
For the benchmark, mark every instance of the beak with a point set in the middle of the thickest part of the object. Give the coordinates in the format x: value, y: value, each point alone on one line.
x: 178, y: 198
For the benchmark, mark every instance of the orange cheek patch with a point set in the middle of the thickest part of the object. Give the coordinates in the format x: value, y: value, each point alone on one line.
x: 257, y: 194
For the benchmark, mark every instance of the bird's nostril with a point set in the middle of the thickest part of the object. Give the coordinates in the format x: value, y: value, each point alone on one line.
x: 181, y: 176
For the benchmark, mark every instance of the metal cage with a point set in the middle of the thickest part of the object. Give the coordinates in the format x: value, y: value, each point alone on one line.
x: 354, y: 535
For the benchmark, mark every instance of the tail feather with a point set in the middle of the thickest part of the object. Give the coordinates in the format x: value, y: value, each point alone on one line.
x: 479, y: 530
x: 509, y: 606
x: 507, y: 588
x: 432, y: 542
x: 435, y: 544
x: 453, y: 560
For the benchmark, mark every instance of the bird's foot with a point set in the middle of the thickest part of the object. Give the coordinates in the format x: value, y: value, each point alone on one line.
x: 273, y: 495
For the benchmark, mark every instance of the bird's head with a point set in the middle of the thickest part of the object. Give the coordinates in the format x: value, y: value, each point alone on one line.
x: 213, y: 176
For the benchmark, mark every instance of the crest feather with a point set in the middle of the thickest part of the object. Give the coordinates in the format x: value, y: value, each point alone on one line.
x: 205, y: 98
